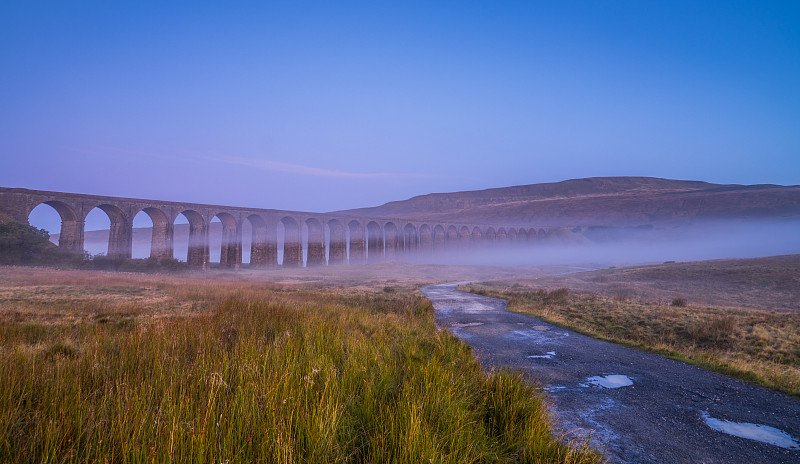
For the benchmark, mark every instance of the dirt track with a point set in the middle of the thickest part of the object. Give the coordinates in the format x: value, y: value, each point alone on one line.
x: 660, y: 418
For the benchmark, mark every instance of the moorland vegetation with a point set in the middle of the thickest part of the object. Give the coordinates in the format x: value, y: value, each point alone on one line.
x: 110, y: 367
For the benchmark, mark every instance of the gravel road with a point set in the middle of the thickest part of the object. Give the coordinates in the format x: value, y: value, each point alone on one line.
x: 637, y: 406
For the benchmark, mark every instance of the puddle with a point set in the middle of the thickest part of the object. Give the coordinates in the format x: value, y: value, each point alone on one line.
x: 758, y: 432
x: 541, y: 327
x: 549, y: 355
x: 467, y: 324
x: 610, y: 381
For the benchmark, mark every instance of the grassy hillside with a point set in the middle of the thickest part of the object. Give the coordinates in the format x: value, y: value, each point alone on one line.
x: 609, y: 201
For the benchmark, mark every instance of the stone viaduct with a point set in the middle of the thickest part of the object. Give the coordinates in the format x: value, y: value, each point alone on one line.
x: 370, y: 239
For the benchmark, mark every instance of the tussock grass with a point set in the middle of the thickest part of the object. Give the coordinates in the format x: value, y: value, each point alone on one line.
x: 242, y: 372
x: 755, y: 345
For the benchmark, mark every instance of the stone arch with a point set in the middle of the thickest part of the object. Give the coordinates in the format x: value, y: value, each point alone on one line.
x: 292, y: 243
x: 161, y: 237
x: 425, y: 238
x: 392, y: 240
x: 230, y: 250
x: 477, y: 235
x: 410, y: 241
x: 197, y: 254
x: 501, y: 235
x: 338, y: 242
x: 120, y: 232
x: 358, y: 244
x: 374, y: 242
x: 70, y: 236
x: 464, y: 235
x: 258, y: 242
x: 512, y: 234
x: 439, y: 237
x: 491, y: 235
x: 522, y: 236
x: 452, y: 237
x: 316, y: 243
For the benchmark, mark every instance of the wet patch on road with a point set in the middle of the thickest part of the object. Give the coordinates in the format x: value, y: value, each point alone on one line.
x: 548, y: 355
x: 758, y: 432
x: 610, y: 381
x: 466, y: 324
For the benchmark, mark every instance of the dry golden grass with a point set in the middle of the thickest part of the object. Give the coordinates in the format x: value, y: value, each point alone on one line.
x: 211, y: 368
x: 771, y: 283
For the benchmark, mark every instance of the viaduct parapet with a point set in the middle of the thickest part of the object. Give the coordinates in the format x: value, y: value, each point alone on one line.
x: 349, y: 239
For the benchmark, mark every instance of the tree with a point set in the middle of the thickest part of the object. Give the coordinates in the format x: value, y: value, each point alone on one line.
x: 24, y: 244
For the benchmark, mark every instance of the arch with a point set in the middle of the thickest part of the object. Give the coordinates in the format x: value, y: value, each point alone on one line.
x: 197, y: 253
x: 70, y: 235
x: 425, y: 238
x: 501, y: 235
x: 357, y: 242
x: 374, y: 242
x: 120, y: 231
x: 522, y: 236
x: 410, y: 241
x: 512, y: 235
x: 258, y: 241
x: 452, y: 237
x: 230, y: 250
x: 292, y: 243
x: 438, y: 237
x: 464, y: 236
x: 477, y: 235
x: 491, y: 235
x: 338, y: 242
x: 543, y: 234
x: 392, y: 240
x: 161, y: 235
x: 316, y: 243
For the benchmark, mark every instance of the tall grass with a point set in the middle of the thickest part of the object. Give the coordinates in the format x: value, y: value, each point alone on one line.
x: 262, y: 374
x: 755, y: 345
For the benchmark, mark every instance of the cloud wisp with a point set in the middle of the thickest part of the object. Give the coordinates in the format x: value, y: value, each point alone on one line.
x: 291, y: 168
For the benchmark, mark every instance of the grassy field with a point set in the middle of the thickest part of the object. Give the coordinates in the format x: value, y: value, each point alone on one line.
x: 757, y: 345
x: 128, y: 368
x: 771, y: 283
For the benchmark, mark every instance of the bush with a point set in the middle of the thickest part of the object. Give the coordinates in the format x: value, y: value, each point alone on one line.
x: 559, y: 295
x: 713, y: 329
x: 23, y: 244
x: 109, y: 263
x: 679, y: 302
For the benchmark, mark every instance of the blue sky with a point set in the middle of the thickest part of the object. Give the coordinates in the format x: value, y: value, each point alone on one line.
x: 330, y: 105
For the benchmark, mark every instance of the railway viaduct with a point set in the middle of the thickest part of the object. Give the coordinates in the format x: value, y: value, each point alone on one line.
x: 370, y: 239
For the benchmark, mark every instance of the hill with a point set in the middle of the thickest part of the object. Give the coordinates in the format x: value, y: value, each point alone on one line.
x: 608, y: 201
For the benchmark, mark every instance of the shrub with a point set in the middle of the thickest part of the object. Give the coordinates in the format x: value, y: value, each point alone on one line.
x: 559, y: 295
x: 713, y: 329
x: 23, y: 244
x: 679, y: 302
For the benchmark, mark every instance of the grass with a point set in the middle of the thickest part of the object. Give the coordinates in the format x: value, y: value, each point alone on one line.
x: 755, y: 345
x: 137, y: 369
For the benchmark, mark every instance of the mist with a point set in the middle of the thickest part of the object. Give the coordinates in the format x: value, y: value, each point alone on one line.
x: 711, y: 240
x: 590, y: 247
